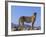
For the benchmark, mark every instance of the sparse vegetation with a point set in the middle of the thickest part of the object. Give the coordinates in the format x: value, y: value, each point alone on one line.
x: 15, y: 27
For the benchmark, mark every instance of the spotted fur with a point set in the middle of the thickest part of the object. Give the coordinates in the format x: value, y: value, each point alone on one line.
x: 27, y: 19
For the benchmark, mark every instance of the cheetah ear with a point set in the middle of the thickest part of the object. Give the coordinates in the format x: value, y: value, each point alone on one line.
x: 35, y: 13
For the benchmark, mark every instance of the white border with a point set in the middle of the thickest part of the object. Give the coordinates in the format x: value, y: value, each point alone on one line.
x: 24, y: 32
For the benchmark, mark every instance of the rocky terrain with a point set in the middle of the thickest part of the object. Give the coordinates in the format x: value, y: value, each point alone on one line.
x: 14, y: 27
